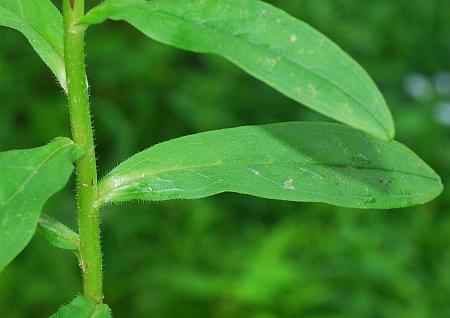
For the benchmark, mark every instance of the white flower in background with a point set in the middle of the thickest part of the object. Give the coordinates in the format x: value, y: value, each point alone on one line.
x: 442, y: 113
x: 442, y: 83
x: 418, y: 86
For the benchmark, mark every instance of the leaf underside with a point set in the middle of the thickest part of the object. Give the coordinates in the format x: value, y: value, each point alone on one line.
x: 82, y: 307
x: 27, y: 180
x: 307, y: 162
x: 267, y: 43
x: 42, y: 24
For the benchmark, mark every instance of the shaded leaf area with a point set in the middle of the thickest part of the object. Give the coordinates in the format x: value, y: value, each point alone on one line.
x: 58, y: 234
x: 28, y: 179
x: 82, y: 307
x: 42, y: 24
x: 308, y: 162
x: 267, y: 43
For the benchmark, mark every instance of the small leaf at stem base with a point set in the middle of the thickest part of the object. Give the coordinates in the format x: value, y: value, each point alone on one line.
x: 82, y: 307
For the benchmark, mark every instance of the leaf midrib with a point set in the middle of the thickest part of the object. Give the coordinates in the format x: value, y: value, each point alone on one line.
x: 143, y: 175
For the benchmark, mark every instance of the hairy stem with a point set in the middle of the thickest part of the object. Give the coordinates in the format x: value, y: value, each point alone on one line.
x: 80, y: 119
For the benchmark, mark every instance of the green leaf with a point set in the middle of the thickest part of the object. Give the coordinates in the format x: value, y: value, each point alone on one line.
x: 82, y: 307
x: 27, y: 180
x: 269, y: 44
x: 42, y: 24
x: 59, y: 235
x: 308, y: 162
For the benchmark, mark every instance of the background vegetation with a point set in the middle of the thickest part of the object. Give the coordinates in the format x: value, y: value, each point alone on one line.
x: 235, y: 256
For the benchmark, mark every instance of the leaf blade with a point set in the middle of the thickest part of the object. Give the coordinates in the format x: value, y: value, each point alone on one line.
x: 266, y: 42
x: 41, y: 23
x: 59, y: 235
x: 28, y: 178
x: 281, y: 161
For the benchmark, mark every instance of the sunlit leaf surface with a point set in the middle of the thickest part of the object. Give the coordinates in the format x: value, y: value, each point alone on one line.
x: 268, y: 43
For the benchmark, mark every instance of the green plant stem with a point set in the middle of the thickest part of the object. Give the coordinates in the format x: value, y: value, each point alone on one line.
x: 80, y: 118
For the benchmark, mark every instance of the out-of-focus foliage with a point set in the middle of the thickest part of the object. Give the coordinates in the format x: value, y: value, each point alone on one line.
x: 234, y: 256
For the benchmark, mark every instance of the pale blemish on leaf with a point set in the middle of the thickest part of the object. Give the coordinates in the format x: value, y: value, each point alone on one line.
x: 289, y: 184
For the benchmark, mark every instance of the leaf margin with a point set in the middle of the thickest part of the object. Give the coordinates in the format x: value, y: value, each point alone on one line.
x: 56, y: 65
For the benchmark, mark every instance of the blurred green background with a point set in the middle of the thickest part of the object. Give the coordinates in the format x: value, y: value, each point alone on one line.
x: 235, y: 256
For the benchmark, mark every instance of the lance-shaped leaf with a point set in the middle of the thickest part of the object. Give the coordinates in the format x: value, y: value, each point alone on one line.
x: 314, y: 162
x: 42, y: 24
x: 27, y: 179
x: 59, y: 235
x: 269, y: 44
x: 82, y: 307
